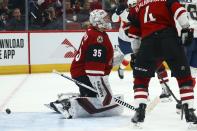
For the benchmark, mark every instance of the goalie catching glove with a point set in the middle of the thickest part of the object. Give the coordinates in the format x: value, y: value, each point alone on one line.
x: 187, y: 36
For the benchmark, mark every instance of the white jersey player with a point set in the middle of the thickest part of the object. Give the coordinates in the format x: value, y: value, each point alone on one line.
x: 191, y: 50
x: 126, y: 44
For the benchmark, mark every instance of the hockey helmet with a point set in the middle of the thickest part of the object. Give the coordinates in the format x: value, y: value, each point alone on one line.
x: 100, y: 19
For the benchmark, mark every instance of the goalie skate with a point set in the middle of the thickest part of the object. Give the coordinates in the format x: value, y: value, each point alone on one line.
x: 52, y: 106
x: 63, y: 107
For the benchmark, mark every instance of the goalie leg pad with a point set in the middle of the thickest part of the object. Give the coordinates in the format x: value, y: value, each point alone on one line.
x: 101, y: 84
x: 91, y: 107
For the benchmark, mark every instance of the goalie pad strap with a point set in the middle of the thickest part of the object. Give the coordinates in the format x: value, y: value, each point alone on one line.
x: 108, y: 97
x: 90, y: 108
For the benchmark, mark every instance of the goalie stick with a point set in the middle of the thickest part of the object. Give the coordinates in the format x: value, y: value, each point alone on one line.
x: 150, y: 107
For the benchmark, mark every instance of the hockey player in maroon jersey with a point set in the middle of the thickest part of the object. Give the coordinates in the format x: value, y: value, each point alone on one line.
x: 162, y: 75
x: 91, y: 66
x: 155, y: 19
x: 129, y: 47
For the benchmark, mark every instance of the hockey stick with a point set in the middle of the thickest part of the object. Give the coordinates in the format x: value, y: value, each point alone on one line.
x: 168, y: 88
x: 117, y: 100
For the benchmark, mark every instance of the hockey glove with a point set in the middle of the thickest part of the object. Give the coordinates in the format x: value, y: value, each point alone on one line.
x: 187, y: 36
x: 120, y: 9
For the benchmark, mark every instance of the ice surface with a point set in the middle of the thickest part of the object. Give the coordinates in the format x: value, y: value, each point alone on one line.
x: 26, y: 94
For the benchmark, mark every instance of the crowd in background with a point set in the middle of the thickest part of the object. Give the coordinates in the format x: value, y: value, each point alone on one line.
x: 50, y: 14
x: 11, y: 17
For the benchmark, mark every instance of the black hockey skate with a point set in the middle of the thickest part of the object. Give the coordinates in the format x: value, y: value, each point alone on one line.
x: 190, y: 116
x: 121, y: 73
x: 64, y: 107
x: 139, y: 114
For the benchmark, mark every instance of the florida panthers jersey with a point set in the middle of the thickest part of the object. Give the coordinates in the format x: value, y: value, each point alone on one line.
x: 122, y: 18
x: 94, y: 56
x: 191, y: 7
x: 154, y: 15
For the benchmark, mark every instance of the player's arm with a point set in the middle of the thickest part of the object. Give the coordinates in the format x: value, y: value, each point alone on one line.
x: 117, y: 15
x: 180, y: 15
x: 132, y: 17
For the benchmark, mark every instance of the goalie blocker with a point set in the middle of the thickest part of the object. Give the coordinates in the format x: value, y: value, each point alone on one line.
x: 70, y: 105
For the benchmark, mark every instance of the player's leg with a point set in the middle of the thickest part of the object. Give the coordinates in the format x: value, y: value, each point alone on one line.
x: 163, y: 78
x: 125, y: 48
x: 84, y: 92
x: 144, y: 69
x: 192, y: 52
x: 177, y: 62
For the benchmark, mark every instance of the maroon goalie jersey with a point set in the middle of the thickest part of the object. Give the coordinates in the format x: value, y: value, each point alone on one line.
x: 155, y: 15
x: 94, y: 56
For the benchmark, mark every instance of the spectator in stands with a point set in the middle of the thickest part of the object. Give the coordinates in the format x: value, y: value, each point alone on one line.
x: 74, y: 2
x: 96, y: 4
x: 3, y: 21
x: 82, y: 2
x: 50, y: 21
x: 17, y: 4
x: 16, y: 22
x: 4, y: 12
x: 110, y: 5
x: 75, y: 6
x: 4, y: 7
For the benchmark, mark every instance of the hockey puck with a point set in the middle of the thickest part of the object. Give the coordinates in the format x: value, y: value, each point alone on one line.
x: 8, y: 111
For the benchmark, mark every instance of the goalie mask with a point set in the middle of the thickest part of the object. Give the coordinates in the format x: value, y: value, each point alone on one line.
x: 100, y: 19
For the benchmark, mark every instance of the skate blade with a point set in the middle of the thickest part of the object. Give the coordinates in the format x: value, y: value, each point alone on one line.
x: 64, y: 113
x: 166, y: 100
x: 48, y: 106
x: 192, y: 126
x: 178, y: 111
x: 138, y: 125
